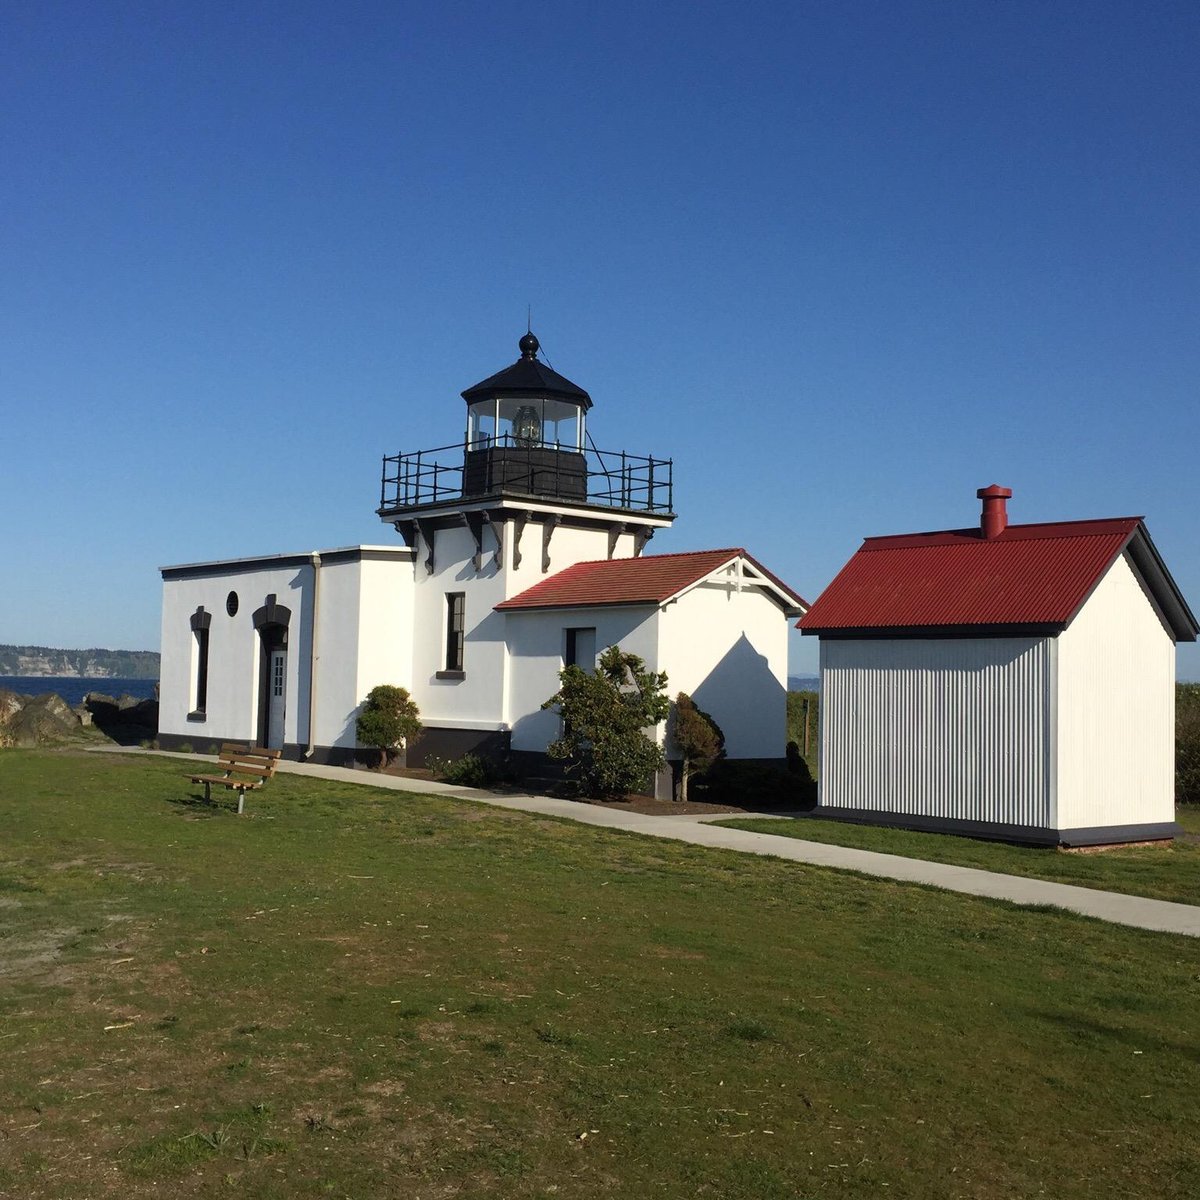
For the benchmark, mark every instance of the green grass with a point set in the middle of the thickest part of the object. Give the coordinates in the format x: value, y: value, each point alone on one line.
x: 352, y: 992
x: 1162, y: 873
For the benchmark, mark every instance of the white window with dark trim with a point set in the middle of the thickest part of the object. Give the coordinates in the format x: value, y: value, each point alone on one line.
x: 452, y: 663
x: 579, y: 648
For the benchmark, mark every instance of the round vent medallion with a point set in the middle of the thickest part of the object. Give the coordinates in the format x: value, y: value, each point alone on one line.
x: 231, y: 604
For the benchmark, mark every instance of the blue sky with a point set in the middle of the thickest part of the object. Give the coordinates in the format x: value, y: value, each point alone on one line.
x: 845, y: 263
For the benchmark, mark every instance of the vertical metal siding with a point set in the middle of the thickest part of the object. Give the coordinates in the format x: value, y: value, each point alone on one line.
x: 955, y: 728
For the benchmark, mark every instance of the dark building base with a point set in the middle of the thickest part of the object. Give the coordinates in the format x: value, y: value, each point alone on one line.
x: 534, y: 768
x: 433, y: 743
x: 1025, y: 835
x: 454, y: 743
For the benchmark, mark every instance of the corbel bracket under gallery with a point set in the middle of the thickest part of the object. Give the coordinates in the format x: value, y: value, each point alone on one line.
x: 518, y: 528
x: 407, y: 530
x: 474, y: 523
x: 425, y: 529
x: 550, y: 524
x: 497, y: 527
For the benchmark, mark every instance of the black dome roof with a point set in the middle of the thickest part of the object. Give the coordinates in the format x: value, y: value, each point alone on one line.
x: 527, y: 376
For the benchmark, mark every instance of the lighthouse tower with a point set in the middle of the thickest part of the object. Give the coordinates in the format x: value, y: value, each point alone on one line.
x: 525, y: 494
x: 526, y: 457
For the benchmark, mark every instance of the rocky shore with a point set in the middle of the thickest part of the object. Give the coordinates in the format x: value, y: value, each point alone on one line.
x: 48, y: 720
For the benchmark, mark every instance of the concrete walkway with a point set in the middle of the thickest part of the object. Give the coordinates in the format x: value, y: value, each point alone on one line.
x: 1160, y: 915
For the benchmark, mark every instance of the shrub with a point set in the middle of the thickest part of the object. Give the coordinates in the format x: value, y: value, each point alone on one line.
x: 1187, y: 743
x: 604, y: 714
x: 697, y: 738
x: 797, y: 764
x: 803, y: 709
x: 472, y: 770
x: 389, y: 720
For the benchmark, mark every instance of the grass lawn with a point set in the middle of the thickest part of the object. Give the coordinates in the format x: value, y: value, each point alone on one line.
x: 1162, y: 873
x: 359, y: 993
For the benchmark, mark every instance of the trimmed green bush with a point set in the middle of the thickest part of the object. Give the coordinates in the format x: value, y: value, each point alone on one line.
x: 389, y: 720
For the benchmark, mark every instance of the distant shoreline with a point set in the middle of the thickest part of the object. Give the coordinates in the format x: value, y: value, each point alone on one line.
x: 74, y: 688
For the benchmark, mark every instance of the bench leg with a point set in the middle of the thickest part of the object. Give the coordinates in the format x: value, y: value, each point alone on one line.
x: 241, y: 800
x: 207, y: 793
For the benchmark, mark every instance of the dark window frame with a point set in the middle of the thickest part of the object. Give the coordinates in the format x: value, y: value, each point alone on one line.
x: 456, y: 626
x: 200, y: 622
x: 571, y: 645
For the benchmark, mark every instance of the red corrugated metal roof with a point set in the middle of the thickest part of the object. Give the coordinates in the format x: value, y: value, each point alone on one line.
x: 1029, y: 575
x: 651, y: 579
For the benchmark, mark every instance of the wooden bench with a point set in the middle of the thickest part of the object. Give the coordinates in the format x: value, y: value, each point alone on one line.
x: 246, y: 768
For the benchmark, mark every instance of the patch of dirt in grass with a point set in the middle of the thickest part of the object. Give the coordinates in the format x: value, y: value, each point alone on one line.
x: 672, y: 952
x: 35, y: 953
x: 70, y: 864
x: 648, y: 806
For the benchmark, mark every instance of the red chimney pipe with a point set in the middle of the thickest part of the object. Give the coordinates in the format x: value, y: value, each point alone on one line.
x: 993, y: 521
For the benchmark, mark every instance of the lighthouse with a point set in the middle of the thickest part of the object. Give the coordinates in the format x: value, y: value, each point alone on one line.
x: 527, y: 458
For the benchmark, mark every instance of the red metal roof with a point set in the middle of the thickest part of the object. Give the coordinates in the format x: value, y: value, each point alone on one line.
x: 1028, y: 575
x: 651, y: 579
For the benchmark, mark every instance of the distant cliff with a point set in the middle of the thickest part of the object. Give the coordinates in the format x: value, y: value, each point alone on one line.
x: 40, y: 661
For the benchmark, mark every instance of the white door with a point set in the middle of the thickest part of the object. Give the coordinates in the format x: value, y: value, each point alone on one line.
x: 276, y: 692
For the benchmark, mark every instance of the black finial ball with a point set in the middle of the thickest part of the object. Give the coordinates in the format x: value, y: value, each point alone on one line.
x: 529, y: 346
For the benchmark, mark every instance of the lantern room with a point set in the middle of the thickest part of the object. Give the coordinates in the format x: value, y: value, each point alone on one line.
x: 526, y: 439
x: 526, y: 427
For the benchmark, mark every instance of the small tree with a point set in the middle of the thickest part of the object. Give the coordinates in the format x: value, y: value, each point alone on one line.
x: 698, y: 739
x: 605, y: 713
x: 389, y: 720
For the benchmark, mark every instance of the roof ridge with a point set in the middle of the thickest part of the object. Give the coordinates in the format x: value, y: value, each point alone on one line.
x: 588, y: 562
x: 1076, y: 528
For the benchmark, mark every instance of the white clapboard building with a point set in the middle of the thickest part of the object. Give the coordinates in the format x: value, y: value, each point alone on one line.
x: 1009, y: 681
x: 521, y: 550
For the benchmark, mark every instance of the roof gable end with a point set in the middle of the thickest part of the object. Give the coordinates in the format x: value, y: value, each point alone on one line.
x: 649, y: 579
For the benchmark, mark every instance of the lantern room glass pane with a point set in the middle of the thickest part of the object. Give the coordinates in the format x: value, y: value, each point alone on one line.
x: 481, y: 424
x: 527, y: 421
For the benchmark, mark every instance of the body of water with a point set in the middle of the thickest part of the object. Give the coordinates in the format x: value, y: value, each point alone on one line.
x: 73, y: 690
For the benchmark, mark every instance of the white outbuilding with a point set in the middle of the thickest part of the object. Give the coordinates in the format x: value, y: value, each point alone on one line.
x: 1006, y: 681
x: 522, y: 552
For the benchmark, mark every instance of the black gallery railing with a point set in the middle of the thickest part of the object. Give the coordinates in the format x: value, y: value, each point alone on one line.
x: 513, y: 466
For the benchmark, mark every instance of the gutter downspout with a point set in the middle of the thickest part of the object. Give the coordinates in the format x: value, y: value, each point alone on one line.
x: 312, y: 657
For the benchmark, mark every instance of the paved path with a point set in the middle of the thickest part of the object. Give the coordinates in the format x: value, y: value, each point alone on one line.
x: 1142, y: 913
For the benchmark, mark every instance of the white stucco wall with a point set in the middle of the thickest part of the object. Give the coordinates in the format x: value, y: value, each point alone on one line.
x: 385, y: 635
x: 1116, y: 709
x: 233, y: 652
x: 568, y: 545
x: 536, y: 641
x: 358, y: 644
x: 727, y: 648
x: 337, y: 656
x: 475, y: 701
x: 950, y: 728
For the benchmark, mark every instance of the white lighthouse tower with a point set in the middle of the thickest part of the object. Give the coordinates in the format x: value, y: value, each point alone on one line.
x: 524, y: 495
